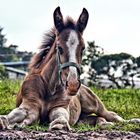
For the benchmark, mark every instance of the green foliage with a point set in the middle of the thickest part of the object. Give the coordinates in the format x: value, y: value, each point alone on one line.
x: 120, y: 69
x: 93, y: 52
x: 121, y: 126
x: 38, y: 127
x: 6, y: 51
x: 118, y: 57
x: 84, y: 127
x: 9, y: 53
x: 8, y: 92
x: 2, y: 38
x: 6, y: 54
x: 105, y: 60
x: 3, y: 73
x: 99, y: 66
x: 124, y: 127
x: 138, y: 61
x: 125, y: 102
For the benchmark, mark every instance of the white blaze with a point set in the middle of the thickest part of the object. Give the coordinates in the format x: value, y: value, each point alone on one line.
x: 72, y: 44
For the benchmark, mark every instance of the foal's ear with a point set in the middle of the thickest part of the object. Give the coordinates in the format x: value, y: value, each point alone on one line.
x: 82, y: 21
x: 58, y: 19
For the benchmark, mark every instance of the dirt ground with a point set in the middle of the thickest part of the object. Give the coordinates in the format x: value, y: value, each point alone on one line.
x: 65, y: 135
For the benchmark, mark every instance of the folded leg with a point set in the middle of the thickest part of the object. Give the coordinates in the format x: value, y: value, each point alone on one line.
x: 90, y: 103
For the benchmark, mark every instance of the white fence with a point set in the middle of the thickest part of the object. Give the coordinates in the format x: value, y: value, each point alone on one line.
x: 13, y: 71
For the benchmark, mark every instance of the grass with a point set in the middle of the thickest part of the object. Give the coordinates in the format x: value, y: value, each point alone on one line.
x: 8, y: 92
x: 125, y: 102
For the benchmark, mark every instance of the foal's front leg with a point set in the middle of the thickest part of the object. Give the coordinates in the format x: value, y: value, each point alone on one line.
x: 17, y: 115
x: 59, y: 119
x: 21, y: 116
x: 32, y: 112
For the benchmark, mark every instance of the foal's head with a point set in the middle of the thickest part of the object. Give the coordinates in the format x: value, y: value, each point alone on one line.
x: 70, y: 46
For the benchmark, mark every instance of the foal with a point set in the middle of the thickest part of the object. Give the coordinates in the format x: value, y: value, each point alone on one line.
x: 52, y: 91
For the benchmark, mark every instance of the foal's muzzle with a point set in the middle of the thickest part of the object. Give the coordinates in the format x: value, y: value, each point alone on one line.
x: 72, y: 87
x: 73, y: 84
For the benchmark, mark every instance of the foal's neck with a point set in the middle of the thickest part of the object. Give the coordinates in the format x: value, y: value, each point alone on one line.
x: 50, y: 74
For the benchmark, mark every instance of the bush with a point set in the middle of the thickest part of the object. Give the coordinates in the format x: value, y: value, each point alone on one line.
x: 3, y: 73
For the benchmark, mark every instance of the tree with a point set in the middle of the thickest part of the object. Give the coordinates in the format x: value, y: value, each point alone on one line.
x: 13, y: 47
x: 2, y: 38
x: 93, y: 52
x: 138, y: 61
x: 27, y: 56
x: 138, y: 65
x: 7, y: 55
x: 10, y: 53
x: 120, y: 69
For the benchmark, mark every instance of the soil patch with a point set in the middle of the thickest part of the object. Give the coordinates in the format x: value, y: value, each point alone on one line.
x: 68, y: 135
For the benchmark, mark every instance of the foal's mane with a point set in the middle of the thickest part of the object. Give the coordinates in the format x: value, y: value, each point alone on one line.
x: 44, y: 49
x: 47, y: 43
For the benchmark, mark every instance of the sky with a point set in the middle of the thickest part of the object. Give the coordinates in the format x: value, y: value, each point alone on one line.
x: 113, y: 24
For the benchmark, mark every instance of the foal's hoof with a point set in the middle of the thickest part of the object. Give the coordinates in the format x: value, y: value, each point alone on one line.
x: 106, y: 125
x: 59, y: 127
x: 3, y: 123
x: 134, y: 120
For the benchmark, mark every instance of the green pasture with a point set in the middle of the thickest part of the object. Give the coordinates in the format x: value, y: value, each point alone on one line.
x: 125, y: 102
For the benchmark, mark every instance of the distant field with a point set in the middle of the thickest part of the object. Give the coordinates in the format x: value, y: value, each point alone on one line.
x: 126, y: 102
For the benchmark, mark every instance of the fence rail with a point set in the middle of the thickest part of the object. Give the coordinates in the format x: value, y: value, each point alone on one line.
x: 15, y: 64
x: 13, y: 71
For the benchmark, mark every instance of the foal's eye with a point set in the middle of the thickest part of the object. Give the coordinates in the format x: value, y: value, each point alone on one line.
x: 60, y: 50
